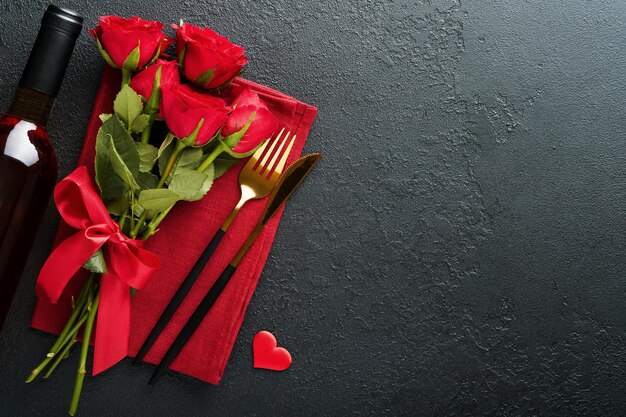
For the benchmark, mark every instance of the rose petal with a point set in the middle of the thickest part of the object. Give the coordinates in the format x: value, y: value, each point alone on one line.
x: 207, y: 50
x: 120, y: 36
x: 263, y: 127
x: 184, y: 107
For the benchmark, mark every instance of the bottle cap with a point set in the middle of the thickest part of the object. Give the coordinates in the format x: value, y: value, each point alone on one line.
x: 63, y: 19
x: 52, y: 50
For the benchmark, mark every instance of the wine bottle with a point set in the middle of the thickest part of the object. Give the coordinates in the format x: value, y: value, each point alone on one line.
x: 28, y: 165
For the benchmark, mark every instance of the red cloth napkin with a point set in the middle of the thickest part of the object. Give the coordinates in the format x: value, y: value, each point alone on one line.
x: 183, y: 236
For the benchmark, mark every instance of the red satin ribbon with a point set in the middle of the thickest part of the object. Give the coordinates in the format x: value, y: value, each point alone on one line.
x: 128, y: 265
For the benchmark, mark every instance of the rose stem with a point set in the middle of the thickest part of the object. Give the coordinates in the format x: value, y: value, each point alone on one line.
x: 62, y: 338
x: 132, y: 220
x: 152, y: 106
x: 84, y: 348
x: 180, y: 146
x: 209, y: 159
x: 71, y: 337
x: 62, y: 354
x: 145, y: 135
x: 142, y: 219
x: 156, y: 221
x: 122, y: 221
x: 126, y: 76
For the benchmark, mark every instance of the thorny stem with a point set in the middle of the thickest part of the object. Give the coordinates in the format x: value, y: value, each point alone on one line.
x: 145, y: 135
x: 67, y: 330
x: 209, y: 159
x: 64, y: 353
x: 140, y: 222
x: 180, y: 146
x: 84, y: 348
x: 122, y: 221
x: 126, y: 76
x: 155, y: 222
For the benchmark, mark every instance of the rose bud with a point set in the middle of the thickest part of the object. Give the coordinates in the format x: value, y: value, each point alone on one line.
x: 131, y: 43
x: 209, y: 60
x: 249, y: 124
x: 144, y: 82
x: 184, y: 109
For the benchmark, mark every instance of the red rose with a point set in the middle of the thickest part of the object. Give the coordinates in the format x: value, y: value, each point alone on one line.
x: 119, y: 37
x: 209, y: 60
x: 249, y: 107
x: 143, y: 83
x: 184, y: 108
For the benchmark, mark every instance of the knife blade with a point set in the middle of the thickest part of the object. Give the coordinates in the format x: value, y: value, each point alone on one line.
x: 285, y: 186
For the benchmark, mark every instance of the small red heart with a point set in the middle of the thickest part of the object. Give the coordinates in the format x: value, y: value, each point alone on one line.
x: 267, y: 355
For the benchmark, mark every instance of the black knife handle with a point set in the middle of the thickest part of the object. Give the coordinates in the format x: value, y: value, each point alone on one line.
x: 178, y: 298
x: 193, y: 322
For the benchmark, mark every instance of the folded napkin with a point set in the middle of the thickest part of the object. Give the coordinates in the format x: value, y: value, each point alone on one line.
x: 183, y: 236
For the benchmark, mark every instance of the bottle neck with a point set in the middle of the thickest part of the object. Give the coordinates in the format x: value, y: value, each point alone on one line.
x: 51, y: 52
x: 31, y: 105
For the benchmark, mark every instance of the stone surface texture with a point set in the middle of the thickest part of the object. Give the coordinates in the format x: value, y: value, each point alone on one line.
x: 458, y: 251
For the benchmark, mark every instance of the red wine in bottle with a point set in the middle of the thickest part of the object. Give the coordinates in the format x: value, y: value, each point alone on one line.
x: 28, y: 165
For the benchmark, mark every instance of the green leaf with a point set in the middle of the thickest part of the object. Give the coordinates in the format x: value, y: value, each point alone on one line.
x: 222, y: 163
x: 112, y: 187
x: 140, y: 123
x: 165, y: 156
x: 120, y: 168
x: 158, y: 199
x: 118, y: 206
x: 124, y: 143
x: 132, y: 60
x: 105, y: 116
x: 128, y: 105
x: 188, y: 184
x: 117, y: 160
x: 147, y: 180
x: 189, y: 159
x: 208, y: 182
x: 166, y: 142
x: 147, y: 156
x: 192, y: 185
x: 205, y: 78
x: 96, y: 263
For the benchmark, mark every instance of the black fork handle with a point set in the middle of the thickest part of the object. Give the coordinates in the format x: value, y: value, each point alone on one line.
x: 193, y: 323
x: 180, y: 295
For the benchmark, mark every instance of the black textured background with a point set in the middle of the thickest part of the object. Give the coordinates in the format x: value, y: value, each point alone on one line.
x: 459, y: 250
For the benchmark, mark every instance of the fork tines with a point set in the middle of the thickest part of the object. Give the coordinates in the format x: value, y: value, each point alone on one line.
x: 273, y: 152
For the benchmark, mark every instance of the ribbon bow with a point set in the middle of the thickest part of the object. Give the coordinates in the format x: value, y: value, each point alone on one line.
x: 128, y: 265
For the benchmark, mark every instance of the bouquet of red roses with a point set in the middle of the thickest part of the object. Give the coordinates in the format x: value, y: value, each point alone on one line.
x: 141, y: 175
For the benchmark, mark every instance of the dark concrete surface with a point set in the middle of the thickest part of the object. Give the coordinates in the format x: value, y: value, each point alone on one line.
x: 459, y: 250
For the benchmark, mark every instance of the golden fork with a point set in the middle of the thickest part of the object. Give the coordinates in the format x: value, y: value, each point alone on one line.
x: 257, y: 179
x: 259, y: 175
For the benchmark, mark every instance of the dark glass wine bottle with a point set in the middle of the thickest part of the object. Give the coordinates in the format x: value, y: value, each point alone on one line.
x: 28, y: 165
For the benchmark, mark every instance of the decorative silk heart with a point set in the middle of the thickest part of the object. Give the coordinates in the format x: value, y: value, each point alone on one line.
x: 266, y: 353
